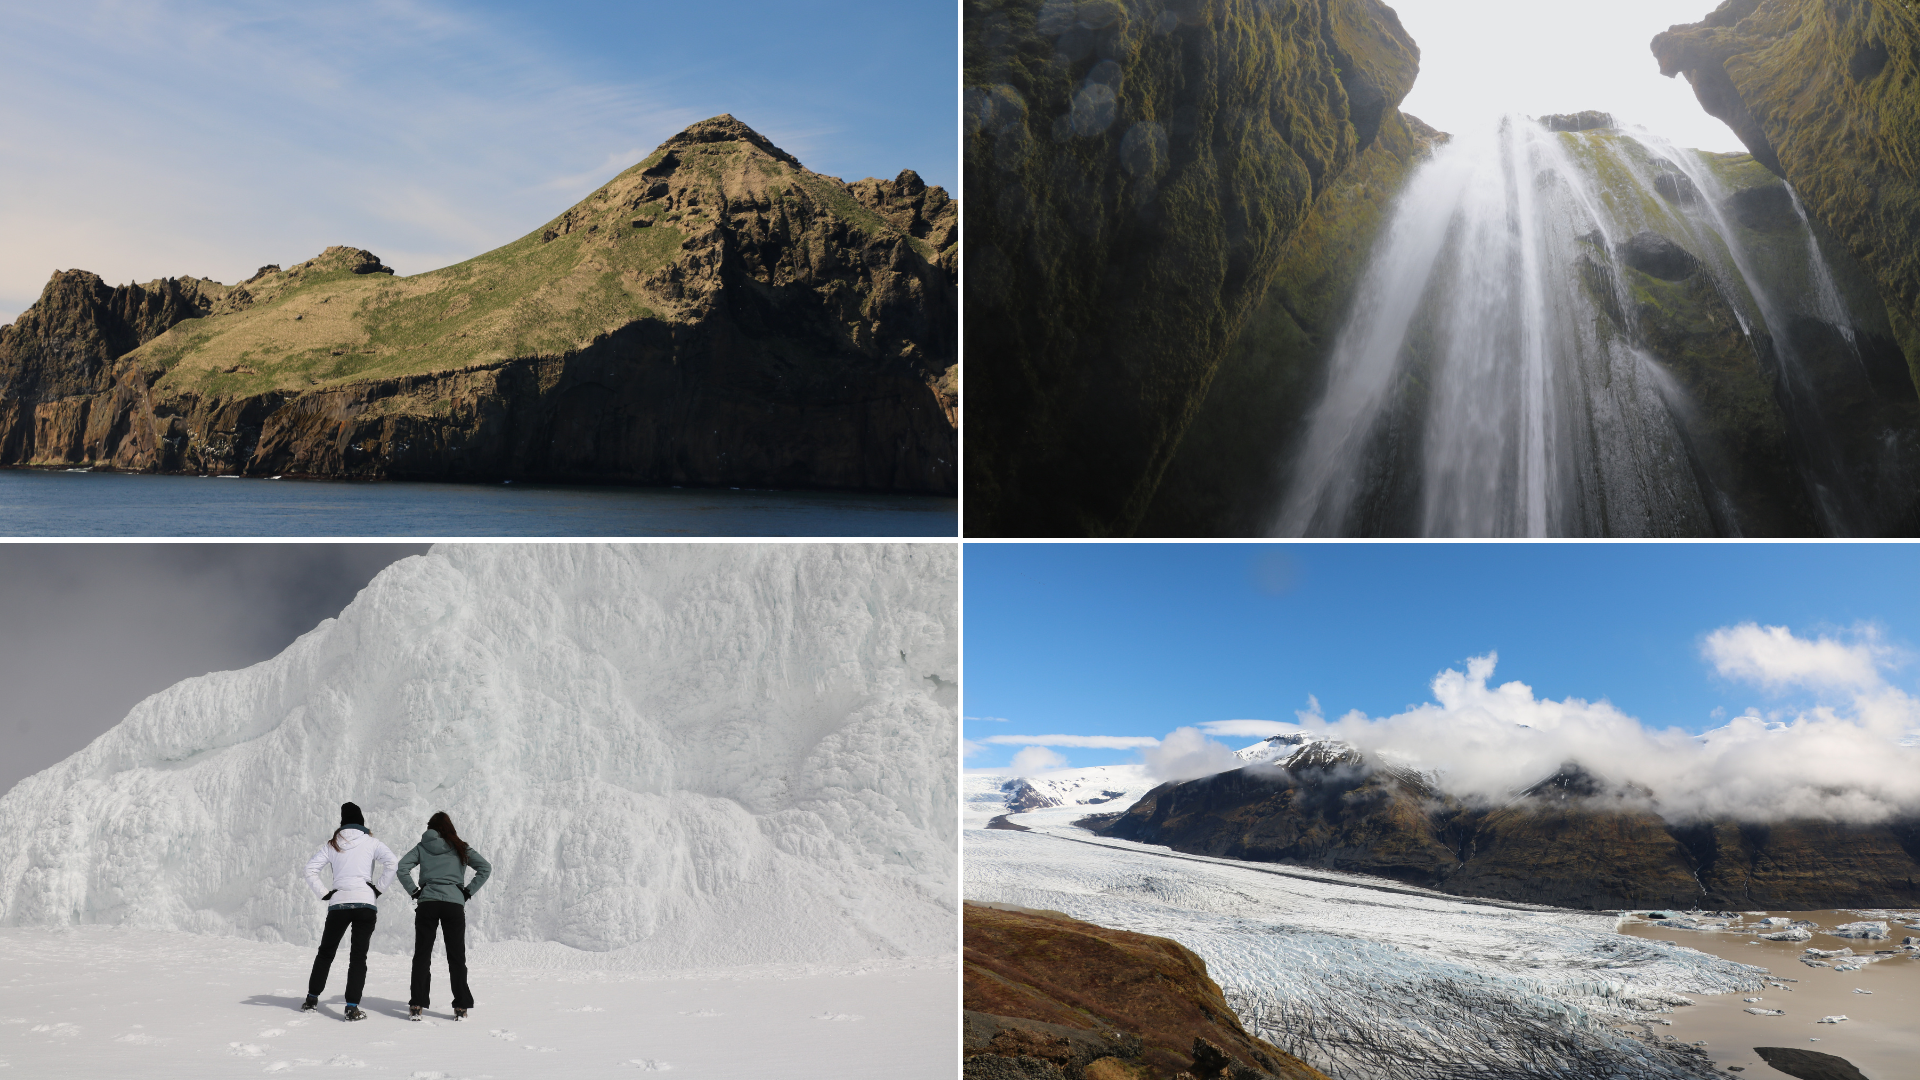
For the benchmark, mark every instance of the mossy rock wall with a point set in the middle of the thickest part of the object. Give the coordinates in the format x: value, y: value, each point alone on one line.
x: 1826, y: 93
x: 1228, y: 470
x: 1140, y: 166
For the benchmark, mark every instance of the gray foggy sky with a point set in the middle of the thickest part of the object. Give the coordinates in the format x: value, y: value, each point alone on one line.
x: 88, y: 630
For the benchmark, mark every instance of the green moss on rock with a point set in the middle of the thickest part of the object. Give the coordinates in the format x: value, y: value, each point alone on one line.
x: 1140, y: 166
x: 1826, y: 95
x: 1228, y: 470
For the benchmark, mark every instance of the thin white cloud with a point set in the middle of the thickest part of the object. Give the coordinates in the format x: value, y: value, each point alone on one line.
x: 1775, y: 659
x: 1258, y: 729
x: 989, y: 719
x: 1036, y: 759
x: 1187, y: 753
x: 1104, y: 742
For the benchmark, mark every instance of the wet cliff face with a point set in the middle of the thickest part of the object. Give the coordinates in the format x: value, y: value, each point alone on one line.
x: 1050, y: 996
x: 1567, y: 841
x: 1227, y: 472
x: 1827, y: 95
x: 716, y: 314
x: 1140, y: 165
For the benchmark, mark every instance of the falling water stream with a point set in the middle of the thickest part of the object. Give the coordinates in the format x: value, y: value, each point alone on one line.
x: 1554, y: 335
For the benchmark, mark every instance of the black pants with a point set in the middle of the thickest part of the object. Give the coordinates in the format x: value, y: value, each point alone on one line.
x: 338, y: 919
x: 429, y: 915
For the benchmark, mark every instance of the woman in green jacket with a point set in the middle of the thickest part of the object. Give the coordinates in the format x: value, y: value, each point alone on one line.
x: 443, y: 859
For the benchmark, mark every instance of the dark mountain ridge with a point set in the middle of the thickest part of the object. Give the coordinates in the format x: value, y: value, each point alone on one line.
x: 1572, y: 839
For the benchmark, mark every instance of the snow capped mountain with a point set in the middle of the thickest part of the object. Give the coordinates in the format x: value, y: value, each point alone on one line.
x: 1061, y: 796
x: 1276, y: 749
x: 700, y: 754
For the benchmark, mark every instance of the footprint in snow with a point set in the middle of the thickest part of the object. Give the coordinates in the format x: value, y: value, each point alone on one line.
x: 431, y: 1076
x: 839, y: 1016
x: 702, y: 1012
x: 273, y: 1033
x: 503, y: 1033
x: 647, y: 1065
x: 278, y: 1066
x: 345, y: 1062
x: 585, y: 1008
x: 248, y: 1050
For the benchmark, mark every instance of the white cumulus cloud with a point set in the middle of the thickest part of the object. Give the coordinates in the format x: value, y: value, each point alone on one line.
x: 1775, y: 659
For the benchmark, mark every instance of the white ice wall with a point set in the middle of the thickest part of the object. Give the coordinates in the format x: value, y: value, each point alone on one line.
x: 702, y: 754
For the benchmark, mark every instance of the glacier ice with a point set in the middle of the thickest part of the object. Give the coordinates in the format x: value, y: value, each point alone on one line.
x: 1361, y: 976
x: 697, y: 755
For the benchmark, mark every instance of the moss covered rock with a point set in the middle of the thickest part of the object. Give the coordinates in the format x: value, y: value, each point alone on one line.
x: 1227, y: 473
x: 1140, y: 166
x: 1827, y: 95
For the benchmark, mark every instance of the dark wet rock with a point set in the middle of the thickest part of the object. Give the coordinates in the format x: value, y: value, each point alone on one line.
x: 1826, y: 96
x: 1677, y: 188
x: 1768, y: 207
x: 1138, y: 168
x: 1651, y: 253
x: 1808, y: 1064
x: 1580, y: 121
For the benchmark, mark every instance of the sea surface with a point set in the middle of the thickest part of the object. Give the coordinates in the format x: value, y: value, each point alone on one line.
x: 38, y: 503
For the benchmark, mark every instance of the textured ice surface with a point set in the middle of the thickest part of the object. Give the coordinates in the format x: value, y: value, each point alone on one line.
x: 695, y: 754
x: 1365, y: 977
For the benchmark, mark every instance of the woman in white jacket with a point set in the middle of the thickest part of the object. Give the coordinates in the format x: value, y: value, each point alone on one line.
x: 350, y: 903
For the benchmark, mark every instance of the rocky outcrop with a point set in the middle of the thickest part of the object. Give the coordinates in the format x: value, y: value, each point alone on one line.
x: 1827, y: 96
x: 1228, y: 470
x: 1570, y: 840
x: 716, y: 314
x: 1141, y: 164
x: 1049, y: 997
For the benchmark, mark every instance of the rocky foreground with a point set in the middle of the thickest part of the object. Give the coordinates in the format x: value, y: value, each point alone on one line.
x: 1571, y: 840
x: 1049, y: 997
x: 716, y: 314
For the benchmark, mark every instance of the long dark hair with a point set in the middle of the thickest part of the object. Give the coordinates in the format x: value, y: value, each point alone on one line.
x: 443, y: 825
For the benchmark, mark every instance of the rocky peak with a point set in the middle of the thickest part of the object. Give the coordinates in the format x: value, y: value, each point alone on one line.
x: 65, y: 344
x: 724, y: 128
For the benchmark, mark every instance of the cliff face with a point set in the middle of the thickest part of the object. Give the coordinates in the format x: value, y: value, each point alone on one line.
x: 1567, y: 841
x: 1142, y: 163
x: 1827, y: 95
x: 717, y: 314
x: 1052, y: 998
x: 1228, y: 470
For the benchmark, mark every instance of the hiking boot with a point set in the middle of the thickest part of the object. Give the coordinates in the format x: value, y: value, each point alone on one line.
x: 413, y: 1013
x: 354, y: 1013
x: 459, y: 1014
x: 312, y: 1003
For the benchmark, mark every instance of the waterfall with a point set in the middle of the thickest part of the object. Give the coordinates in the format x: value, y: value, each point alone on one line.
x: 1597, y: 333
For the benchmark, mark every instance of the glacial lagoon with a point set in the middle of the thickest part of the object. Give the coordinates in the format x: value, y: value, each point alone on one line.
x: 1879, y: 1035
x: 103, y: 504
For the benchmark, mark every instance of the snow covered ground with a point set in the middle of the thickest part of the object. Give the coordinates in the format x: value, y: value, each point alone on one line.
x: 1368, y: 978
x: 93, y: 1002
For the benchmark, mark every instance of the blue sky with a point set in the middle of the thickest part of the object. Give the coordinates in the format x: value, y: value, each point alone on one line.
x: 141, y: 140
x: 1138, y: 640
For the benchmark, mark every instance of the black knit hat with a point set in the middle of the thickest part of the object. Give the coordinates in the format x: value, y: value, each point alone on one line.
x: 350, y: 815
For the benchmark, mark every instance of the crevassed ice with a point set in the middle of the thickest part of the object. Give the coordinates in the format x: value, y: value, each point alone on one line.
x: 699, y: 754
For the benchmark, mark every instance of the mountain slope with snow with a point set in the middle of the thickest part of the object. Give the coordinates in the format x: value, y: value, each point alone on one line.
x: 699, y: 755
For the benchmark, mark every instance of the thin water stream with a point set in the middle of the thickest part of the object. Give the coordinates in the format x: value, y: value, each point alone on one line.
x: 1881, y: 1035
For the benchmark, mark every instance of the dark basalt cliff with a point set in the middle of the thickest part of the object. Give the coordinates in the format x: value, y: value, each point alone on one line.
x: 716, y: 314
x: 1569, y: 840
x: 1052, y: 998
x: 1140, y: 166
x: 1826, y: 94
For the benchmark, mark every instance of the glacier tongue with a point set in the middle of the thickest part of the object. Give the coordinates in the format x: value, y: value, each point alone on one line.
x: 699, y: 755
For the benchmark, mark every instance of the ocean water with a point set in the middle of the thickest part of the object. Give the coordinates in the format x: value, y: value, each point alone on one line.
x: 37, y: 503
